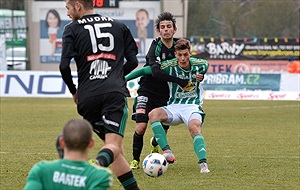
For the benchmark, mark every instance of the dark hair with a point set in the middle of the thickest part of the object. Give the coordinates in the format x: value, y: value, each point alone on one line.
x: 182, y: 44
x: 77, y: 134
x: 55, y: 13
x: 165, y: 16
x: 87, y: 4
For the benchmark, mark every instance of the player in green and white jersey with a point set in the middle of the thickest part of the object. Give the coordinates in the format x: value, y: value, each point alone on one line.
x: 184, y: 105
x: 73, y: 171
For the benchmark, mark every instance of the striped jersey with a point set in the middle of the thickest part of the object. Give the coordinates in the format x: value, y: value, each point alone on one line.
x: 176, y: 94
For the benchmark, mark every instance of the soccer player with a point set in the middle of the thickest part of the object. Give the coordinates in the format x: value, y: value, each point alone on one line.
x: 153, y: 91
x: 99, y: 45
x: 73, y: 171
x: 184, y: 106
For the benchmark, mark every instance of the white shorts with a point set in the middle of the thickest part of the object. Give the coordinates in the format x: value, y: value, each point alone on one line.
x: 182, y: 113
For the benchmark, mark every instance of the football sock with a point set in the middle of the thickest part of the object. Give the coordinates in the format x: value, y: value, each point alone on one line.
x: 59, y: 149
x: 200, y: 147
x: 160, y: 134
x: 105, y: 157
x: 128, y: 181
x: 137, y: 146
x: 154, y: 142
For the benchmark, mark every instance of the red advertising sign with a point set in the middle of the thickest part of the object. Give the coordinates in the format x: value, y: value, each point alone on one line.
x: 245, y: 48
x: 247, y: 66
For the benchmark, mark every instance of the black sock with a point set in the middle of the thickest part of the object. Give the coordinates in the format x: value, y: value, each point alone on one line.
x: 105, y: 157
x: 154, y: 142
x: 59, y: 149
x: 128, y: 181
x: 202, y: 161
x: 137, y: 146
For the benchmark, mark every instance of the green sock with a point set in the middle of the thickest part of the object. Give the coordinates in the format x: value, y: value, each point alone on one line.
x: 159, y: 134
x: 200, y: 147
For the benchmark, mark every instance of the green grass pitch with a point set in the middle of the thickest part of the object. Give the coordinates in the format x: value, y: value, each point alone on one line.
x: 250, y: 144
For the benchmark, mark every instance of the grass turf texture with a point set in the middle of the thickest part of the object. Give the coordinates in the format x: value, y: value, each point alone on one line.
x: 250, y: 144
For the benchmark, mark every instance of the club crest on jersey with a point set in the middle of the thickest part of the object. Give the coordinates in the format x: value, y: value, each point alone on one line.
x: 163, y: 56
x: 99, y: 69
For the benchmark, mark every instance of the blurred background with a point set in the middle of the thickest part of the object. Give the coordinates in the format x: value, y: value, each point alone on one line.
x: 238, y: 37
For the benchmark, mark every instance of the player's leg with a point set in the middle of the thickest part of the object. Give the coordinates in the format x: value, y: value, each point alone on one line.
x: 156, y: 116
x: 141, y: 108
x: 137, y: 146
x: 113, y: 111
x: 194, y: 127
x: 153, y: 143
x: 59, y: 149
x: 115, y: 118
x: 158, y: 102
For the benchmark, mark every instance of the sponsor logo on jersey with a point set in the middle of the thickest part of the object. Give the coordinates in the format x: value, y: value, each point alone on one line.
x: 189, y: 94
x: 99, y: 69
x: 101, y: 55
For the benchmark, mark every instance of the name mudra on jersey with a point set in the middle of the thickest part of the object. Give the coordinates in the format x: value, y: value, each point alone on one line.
x: 69, y: 179
x: 94, y: 18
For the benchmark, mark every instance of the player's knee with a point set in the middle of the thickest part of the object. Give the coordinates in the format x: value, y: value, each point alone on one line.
x: 140, y: 128
x: 154, y: 115
x: 115, y: 149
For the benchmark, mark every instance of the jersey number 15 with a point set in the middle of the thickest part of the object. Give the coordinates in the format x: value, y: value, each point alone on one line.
x: 95, y: 32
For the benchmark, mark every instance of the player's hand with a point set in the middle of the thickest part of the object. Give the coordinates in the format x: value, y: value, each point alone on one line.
x: 75, y: 98
x: 189, y: 86
x: 200, y: 77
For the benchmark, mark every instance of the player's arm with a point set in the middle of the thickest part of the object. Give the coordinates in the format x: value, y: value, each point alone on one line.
x: 33, y: 179
x: 66, y: 56
x: 131, y: 50
x: 156, y: 70
x: 103, y: 180
x: 130, y: 64
x: 162, y: 76
x: 139, y: 72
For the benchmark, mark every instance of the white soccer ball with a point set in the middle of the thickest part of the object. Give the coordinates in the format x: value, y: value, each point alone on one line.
x: 154, y: 165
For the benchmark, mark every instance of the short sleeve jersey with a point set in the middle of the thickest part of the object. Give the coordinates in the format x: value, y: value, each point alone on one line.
x: 64, y: 174
x: 148, y: 83
x: 177, y: 94
x: 98, y: 45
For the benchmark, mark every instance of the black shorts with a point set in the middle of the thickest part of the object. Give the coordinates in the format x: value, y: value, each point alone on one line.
x: 143, y: 104
x: 107, y: 113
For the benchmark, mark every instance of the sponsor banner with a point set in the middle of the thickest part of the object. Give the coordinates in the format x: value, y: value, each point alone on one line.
x: 241, y: 82
x: 41, y: 84
x: 251, y: 95
x: 245, y: 49
x: 247, y: 66
x: 53, y: 20
x: 50, y: 84
x: 33, y: 84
